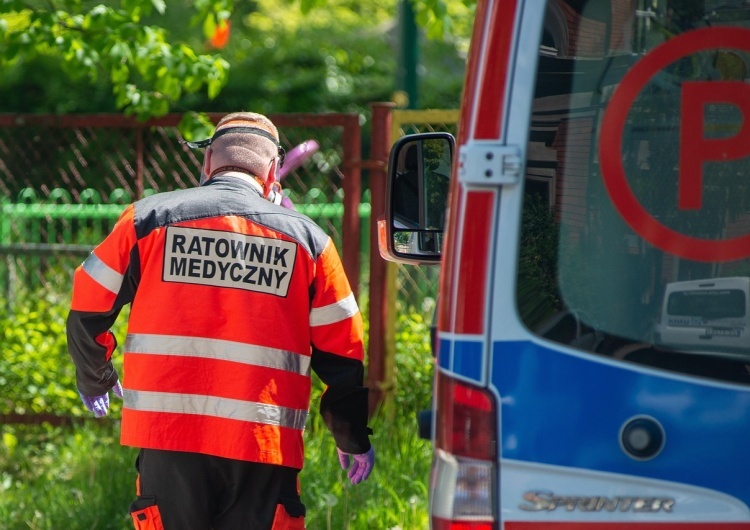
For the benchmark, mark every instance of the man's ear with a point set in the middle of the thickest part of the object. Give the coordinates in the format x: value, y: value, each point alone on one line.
x: 206, y: 171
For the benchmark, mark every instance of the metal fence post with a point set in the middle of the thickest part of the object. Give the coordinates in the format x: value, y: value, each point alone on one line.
x: 379, y: 342
x: 350, y: 224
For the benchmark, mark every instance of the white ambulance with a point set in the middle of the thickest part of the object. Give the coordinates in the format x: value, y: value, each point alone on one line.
x: 603, y: 153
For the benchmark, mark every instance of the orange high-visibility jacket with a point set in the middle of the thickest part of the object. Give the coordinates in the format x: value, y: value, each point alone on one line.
x: 233, y: 301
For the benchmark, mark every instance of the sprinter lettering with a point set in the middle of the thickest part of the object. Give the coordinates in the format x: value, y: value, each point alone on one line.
x: 536, y: 501
x: 227, y: 259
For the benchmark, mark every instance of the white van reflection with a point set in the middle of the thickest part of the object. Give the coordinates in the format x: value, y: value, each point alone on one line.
x: 705, y: 316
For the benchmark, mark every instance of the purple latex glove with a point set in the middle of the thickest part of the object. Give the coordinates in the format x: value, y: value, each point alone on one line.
x: 286, y: 202
x: 296, y: 157
x: 361, y: 467
x: 99, y: 405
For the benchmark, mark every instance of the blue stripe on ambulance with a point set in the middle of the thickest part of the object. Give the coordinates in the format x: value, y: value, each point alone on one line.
x: 462, y: 357
x: 567, y: 410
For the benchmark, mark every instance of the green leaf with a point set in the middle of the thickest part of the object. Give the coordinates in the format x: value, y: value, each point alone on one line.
x: 307, y: 5
x: 10, y: 441
x: 192, y: 84
x: 217, y: 77
x: 209, y: 26
x: 159, y: 5
x: 187, y: 52
x: 214, y: 87
x: 119, y: 73
x: 120, y: 51
x: 195, y: 126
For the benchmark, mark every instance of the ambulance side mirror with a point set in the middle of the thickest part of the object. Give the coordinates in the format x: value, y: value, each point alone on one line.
x: 419, y: 169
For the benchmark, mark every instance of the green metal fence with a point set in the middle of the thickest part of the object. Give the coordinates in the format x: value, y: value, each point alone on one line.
x: 35, y: 228
x: 64, y: 180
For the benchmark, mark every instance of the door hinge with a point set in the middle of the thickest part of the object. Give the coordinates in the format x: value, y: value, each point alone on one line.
x: 489, y: 164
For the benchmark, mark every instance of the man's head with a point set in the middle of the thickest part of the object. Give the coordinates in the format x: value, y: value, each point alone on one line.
x: 247, y: 151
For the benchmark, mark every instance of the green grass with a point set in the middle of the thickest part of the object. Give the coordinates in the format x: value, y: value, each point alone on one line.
x: 395, y: 495
x: 80, y: 477
x: 74, y: 478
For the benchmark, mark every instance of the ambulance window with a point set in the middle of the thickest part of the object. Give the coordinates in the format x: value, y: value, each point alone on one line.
x: 636, y: 219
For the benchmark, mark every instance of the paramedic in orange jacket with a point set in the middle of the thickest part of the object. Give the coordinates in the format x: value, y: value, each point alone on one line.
x: 234, y: 300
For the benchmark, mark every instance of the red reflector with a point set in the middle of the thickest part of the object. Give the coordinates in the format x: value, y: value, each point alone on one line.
x: 472, y: 397
x: 443, y: 524
x: 465, y: 420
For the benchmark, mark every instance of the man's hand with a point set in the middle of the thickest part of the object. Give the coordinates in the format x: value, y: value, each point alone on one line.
x: 362, y: 466
x: 99, y: 405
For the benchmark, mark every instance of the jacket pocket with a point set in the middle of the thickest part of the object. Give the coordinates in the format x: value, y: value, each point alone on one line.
x: 145, y: 513
x: 290, y: 515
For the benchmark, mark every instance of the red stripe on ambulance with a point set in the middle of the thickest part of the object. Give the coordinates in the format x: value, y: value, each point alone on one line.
x: 496, y: 61
x: 462, y: 308
x: 473, y: 252
x: 472, y: 65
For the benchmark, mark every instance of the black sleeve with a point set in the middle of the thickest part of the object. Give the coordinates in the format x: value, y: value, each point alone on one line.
x: 95, y: 374
x: 344, y: 404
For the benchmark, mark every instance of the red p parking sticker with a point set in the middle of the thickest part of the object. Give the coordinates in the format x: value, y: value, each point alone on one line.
x: 695, y: 148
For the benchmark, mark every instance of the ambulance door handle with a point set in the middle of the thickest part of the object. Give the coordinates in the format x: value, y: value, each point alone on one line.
x: 486, y: 164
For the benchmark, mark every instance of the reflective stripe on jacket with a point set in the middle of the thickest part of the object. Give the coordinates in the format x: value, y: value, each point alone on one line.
x: 233, y: 301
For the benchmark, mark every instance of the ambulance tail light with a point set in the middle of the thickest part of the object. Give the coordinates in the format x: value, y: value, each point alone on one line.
x: 464, y: 470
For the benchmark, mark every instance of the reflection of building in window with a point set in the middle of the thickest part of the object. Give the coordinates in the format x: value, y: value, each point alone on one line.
x: 406, y: 187
x: 569, y: 32
x: 539, y: 188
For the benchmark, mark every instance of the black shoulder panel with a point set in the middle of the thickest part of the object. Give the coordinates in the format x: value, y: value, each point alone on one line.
x: 223, y: 196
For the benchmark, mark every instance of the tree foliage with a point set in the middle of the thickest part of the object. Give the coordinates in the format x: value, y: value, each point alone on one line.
x: 146, y: 71
x: 145, y: 58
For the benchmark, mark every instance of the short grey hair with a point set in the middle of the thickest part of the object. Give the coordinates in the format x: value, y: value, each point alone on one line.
x: 251, y: 152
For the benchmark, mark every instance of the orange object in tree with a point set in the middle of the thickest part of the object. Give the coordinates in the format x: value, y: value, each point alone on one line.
x: 220, y: 38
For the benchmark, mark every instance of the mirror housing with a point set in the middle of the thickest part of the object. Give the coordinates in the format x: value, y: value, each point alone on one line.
x: 416, y: 197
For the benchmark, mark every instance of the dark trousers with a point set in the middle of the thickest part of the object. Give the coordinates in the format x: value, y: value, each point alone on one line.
x: 190, y: 491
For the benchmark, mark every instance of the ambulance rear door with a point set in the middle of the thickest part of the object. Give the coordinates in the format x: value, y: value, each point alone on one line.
x: 615, y: 161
